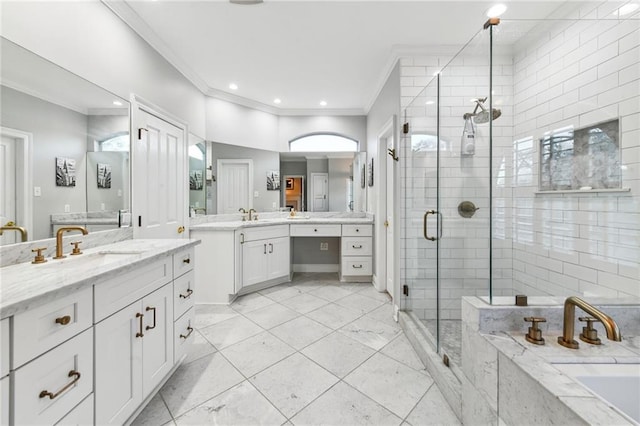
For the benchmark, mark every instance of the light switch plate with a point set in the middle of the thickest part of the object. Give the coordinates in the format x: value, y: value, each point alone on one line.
x: 37, y: 191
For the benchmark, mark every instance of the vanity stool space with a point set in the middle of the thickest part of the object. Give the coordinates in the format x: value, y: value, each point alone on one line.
x: 89, y: 340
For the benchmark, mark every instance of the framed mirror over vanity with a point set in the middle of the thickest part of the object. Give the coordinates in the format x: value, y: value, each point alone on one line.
x: 65, y: 149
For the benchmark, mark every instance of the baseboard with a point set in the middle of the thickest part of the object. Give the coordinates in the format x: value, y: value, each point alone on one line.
x: 302, y: 267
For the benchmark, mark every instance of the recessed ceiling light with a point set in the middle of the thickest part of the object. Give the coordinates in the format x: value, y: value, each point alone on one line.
x: 323, y: 103
x: 626, y: 9
x: 117, y: 103
x: 430, y: 102
x: 233, y: 86
x: 277, y: 101
x: 496, y: 10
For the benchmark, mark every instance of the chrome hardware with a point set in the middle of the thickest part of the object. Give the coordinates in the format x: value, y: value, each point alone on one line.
x: 61, y: 231
x: 535, y: 334
x: 149, y: 308
x: 72, y: 373
x: 188, y: 295
x: 39, y: 257
x: 244, y: 212
x: 589, y: 334
x: 392, y: 153
x: 184, y: 336
x: 566, y: 340
x: 63, y: 320
x: 139, y: 333
x: 76, y: 249
x: 180, y: 229
x: 424, y: 225
x: 250, y: 212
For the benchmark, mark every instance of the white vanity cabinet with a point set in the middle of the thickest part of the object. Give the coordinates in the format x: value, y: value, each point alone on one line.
x: 134, y: 352
x: 356, y: 260
x: 183, y: 300
x: 265, y: 255
x: 4, y: 372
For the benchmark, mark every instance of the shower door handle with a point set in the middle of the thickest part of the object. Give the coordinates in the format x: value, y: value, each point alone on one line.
x: 425, y: 227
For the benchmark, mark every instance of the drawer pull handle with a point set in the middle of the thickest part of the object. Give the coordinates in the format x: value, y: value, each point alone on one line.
x: 187, y: 260
x: 270, y: 248
x: 357, y: 247
x: 149, y: 308
x: 187, y: 295
x: 184, y: 336
x: 356, y: 266
x: 139, y: 333
x: 63, y: 320
x: 72, y: 373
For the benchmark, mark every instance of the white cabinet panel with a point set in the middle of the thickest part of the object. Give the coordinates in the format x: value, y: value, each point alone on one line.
x: 183, y: 333
x: 279, y: 258
x: 316, y: 230
x: 183, y: 293
x: 357, y: 230
x: 48, y: 325
x: 4, y: 401
x: 82, y: 415
x: 48, y: 388
x: 254, y: 262
x: 157, y: 343
x: 4, y: 347
x: 183, y: 262
x: 355, y: 265
x: 265, y: 232
x: 357, y: 246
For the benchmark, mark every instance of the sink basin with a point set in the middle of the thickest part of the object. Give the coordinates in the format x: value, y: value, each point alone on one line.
x: 617, y: 384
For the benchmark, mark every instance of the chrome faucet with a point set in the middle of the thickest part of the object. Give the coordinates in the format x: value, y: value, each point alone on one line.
x: 566, y: 340
x: 61, y: 231
x: 244, y: 212
x: 252, y: 211
x: 11, y: 226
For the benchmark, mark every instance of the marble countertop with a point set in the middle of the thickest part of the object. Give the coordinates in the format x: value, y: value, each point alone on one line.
x: 233, y: 225
x: 86, y: 221
x: 24, y: 285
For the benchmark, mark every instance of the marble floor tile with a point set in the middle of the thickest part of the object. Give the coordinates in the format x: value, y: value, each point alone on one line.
x: 390, y: 383
x: 359, y: 303
x: 250, y: 302
x: 293, y: 383
x: 333, y: 316
x: 199, y: 347
x: 370, y: 332
x: 401, y: 350
x: 207, y: 315
x: 300, y: 332
x: 271, y: 315
x: 354, y: 287
x: 194, y: 383
x: 304, y: 303
x: 281, y: 292
x: 370, y: 291
x: 231, y: 331
x: 155, y: 413
x: 257, y: 353
x: 384, y: 314
x: 433, y: 409
x: 240, y: 405
x: 343, y: 405
x: 330, y: 292
x: 338, y: 353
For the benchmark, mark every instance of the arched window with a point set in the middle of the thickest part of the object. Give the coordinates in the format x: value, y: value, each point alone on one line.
x: 117, y: 142
x: 323, y: 142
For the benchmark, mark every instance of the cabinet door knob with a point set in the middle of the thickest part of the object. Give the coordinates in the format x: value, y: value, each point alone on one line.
x: 186, y: 260
x: 72, y: 373
x: 63, y: 320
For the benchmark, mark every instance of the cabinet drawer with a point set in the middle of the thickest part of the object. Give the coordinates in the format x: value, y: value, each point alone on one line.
x: 183, y: 289
x: 354, y: 246
x: 48, y: 388
x: 265, y: 232
x: 4, y: 347
x: 357, y: 230
x: 115, y: 294
x: 315, y: 230
x: 81, y: 415
x: 356, y: 265
x: 183, y: 262
x: 44, y: 327
x: 183, y: 330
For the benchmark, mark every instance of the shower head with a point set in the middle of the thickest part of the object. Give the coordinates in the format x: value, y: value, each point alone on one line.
x: 483, y: 116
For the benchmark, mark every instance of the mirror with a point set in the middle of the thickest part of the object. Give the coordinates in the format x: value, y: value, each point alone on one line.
x: 197, y: 175
x: 68, y: 140
x: 295, y: 172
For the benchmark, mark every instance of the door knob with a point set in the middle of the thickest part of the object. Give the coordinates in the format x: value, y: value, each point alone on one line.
x: 180, y: 229
x: 386, y: 223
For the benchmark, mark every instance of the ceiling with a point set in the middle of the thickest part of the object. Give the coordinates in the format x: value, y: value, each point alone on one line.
x: 303, y: 51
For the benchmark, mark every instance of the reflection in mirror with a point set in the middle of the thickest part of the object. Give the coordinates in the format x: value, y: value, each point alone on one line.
x: 197, y: 176
x: 50, y: 116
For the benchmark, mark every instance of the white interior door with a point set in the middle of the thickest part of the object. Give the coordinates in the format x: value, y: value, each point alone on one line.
x: 319, y: 192
x: 160, y: 181
x: 8, y: 196
x: 235, y: 185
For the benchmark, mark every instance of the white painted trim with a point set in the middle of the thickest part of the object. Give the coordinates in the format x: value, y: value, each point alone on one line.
x: 24, y: 177
x: 221, y: 162
x: 326, y: 267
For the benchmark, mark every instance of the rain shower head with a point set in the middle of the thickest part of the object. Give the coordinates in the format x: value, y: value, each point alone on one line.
x: 483, y: 116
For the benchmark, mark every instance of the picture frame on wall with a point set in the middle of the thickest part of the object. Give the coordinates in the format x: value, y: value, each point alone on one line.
x: 104, y: 176
x: 289, y: 183
x: 273, y: 180
x: 371, y: 173
x: 65, y: 171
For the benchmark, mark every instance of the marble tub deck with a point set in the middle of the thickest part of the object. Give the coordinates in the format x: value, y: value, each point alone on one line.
x: 313, y: 351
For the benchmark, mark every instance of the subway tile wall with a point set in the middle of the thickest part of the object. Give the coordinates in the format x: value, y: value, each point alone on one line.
x: 579, y: 73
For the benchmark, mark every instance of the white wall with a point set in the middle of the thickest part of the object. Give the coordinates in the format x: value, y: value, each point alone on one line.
x: 89, y: 40
x: 339, y: 175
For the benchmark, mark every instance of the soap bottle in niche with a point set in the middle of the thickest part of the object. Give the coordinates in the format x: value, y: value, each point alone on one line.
x: 468, y: 140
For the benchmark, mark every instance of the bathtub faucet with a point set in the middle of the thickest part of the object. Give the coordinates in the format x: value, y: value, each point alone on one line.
x: 566, y: 340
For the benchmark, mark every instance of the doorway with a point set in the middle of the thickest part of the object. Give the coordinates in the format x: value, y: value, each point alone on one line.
x: 235, y: 185
x: 319, y: 192
x: 294, y: 190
